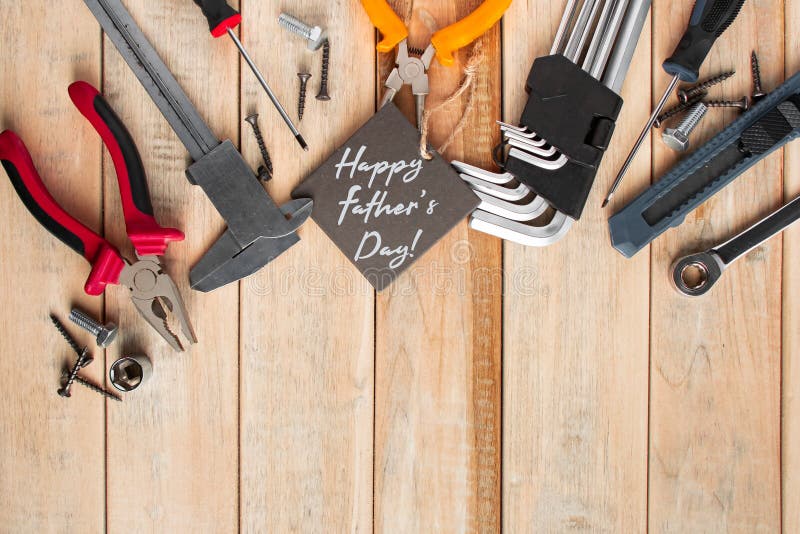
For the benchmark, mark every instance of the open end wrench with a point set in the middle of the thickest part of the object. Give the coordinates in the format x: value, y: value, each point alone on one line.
x: 696, y: 274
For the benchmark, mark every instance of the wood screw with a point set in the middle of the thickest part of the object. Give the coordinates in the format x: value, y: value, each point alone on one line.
x: 72, y: 343
x: 301, y: 100
x: 743, y: 103
x: 323, y: 84
x: 758, y: 91
x: 686, y: 94
x: 264, y: 171
x: 81, y: 362
x: 94, y: 387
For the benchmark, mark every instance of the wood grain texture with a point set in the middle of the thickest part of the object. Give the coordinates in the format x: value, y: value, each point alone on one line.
x: 310, y: 404
x: 51, y: 469
x: 715, y: 360
x: 575, y: 336
x: 172, y: 444
x: 790, y: 442
x: 307, y: 318
x: 437, y: 361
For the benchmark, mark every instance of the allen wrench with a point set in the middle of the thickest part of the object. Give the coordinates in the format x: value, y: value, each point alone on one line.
x: 614, y: 26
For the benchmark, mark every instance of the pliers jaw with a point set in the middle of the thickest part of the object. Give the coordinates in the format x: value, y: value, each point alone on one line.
x: 157, y: 299
x: 410, y: 70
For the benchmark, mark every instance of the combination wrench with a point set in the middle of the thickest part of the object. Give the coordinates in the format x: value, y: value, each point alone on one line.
x: 696, y: 274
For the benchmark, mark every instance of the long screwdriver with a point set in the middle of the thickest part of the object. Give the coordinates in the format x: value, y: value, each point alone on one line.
x: 222, y: 18
x: 710, y: 18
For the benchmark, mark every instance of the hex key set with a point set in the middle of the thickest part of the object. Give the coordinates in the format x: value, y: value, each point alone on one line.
x: 551, y: 157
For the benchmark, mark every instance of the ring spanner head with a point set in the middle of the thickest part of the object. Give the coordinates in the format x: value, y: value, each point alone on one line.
x: 695, y: 274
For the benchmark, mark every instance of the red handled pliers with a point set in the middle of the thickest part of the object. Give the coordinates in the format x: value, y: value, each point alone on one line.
x: 153, y: 292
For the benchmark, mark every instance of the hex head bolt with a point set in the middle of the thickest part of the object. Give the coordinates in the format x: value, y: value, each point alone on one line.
x: 72, y: 343
x: 680, y: 108
x: 678, y: 138
x: 80, y: 362
x: 301, y: 99
x: 315, y: 35
x: 105, y: 334
x: 265, y: 170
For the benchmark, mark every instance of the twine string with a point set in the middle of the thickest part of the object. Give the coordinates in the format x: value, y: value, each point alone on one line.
x: 467, y: 84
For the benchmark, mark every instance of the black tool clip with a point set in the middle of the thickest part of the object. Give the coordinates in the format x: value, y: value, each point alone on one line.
x: 576, y: 114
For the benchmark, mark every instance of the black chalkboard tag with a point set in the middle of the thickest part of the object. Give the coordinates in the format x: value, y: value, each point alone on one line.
x: 380, y: 202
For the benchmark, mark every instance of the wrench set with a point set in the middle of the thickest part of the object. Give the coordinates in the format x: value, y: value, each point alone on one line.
x: 552, y: 156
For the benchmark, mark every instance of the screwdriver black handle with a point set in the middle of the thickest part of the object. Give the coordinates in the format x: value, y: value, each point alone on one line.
x: 220, y: 16
x: 710, y: 18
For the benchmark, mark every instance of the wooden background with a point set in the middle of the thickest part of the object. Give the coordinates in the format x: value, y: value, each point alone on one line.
x: 495, y: 386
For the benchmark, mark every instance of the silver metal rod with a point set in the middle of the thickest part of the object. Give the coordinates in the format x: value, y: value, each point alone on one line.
x: 598, y: 36
x: 572, y: 49
x: 271, y: 95
x: 642, y: 136
x: 609, y: 38
x: 566, y: 21
x: 626, y: 44
x: 587, y: 30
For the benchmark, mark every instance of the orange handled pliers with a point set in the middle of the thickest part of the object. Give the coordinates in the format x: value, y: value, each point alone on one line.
x: 411, y: 65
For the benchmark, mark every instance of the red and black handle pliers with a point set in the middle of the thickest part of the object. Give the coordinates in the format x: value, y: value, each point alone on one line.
x: 153, y: 292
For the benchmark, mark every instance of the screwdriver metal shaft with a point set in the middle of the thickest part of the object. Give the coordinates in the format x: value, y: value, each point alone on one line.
x: 642, y: 136
x: 266, y: 87
x: 709, y: 19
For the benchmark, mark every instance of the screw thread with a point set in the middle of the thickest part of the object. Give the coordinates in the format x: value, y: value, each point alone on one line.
x: 711, y: 82
x: 65, y: 334
x: 693, y: 118
x: 84, y: 321
x: 94, y: 387
x: 262, y: 147
x: 756, y: 70
x: 741, y: 104
x: 64, y: 391
x: 294, y: 25
x: 680, y: 108
x: 323, y: 85
x: 301, y: 101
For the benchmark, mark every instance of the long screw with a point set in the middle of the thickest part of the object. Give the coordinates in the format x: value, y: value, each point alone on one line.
x: 323, y: 84
x: 758, y: 91
x: 680, y: 108
x: 94, y: 387
x: 689, y: 92
x: 80, y: 362
x: 301, y: 100
x: 743, y: 103
x: 72, y: 343
x: 264, y: 171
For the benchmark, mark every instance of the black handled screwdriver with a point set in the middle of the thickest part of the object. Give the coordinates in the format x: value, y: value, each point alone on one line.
x: 222, y: 18
x: 710, y: 18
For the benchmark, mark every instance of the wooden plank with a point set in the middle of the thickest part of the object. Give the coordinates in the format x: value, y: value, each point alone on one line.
x: 790, y: 441
x: 172, y: 444
x: 52, y: 467
x: 575, y: 335
x: 715, y: 360
x: 307, y: 318
x: 437, y: 401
